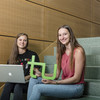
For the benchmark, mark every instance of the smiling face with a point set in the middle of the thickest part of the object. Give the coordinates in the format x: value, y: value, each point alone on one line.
x: 22, y: 42
x: 64, y: 36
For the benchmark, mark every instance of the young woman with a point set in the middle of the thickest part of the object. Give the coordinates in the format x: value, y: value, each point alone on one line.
x: 71, y: 60
x: 19, y: 55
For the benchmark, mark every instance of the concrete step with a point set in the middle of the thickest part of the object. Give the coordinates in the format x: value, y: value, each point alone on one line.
x: 92, y: 50
x: 50, y: 60
x: 81, y: 98
x: 92, y: 72
x: 92, y: 87
x: 92, y: 77
x: 87, y: 41
x: 93, y: 60
x: 89, y: 50
x: 86, y: 98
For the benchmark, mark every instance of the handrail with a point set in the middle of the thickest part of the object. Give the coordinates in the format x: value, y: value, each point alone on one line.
x: 48, y: 51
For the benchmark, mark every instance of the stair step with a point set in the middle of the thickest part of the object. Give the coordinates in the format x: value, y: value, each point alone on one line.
x: 92, y: 50
x: 89, y: 50
x: 92, y: 82
x: 81, y: 98
x: 50, y: 59
x: 92, y: 72
x: 92, y: 87
x: 86, y: 98
x: 87, y: 41
x: 93, y: 60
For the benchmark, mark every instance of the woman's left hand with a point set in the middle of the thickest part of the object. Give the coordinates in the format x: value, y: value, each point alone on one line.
x: 47, y: 81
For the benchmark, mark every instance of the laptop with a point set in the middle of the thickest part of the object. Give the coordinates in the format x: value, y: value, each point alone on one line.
x: 12, y: 73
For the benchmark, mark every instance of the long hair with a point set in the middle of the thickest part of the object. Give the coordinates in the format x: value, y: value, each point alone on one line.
x: 61, y: 47
x: 14, y: 53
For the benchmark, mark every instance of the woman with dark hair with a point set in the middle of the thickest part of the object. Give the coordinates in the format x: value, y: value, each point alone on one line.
x: 19, y: 55
x: 71, y: 60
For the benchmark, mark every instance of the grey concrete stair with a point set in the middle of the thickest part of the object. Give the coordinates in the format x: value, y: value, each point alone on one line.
x: 92, y: 72
x: 50, y: 60
x: 94, y: 41
x: 92, y: 87
x: 86, y: 98
x: 81, y: 98
x: 93, y: 60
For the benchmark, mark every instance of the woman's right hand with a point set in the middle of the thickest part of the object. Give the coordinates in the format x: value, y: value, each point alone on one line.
x: 37, y: 72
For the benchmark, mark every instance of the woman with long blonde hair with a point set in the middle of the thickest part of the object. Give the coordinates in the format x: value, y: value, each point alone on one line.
x: 71, y: 60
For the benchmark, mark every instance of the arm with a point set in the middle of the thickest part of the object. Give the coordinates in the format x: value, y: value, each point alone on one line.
x: 27, y: 77
x: 79, y: 64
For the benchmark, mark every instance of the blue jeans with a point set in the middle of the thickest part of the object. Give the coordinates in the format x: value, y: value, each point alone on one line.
x: 36, y: 89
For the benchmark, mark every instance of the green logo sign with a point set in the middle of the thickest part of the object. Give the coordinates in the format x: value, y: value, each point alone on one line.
x: 32, y: 63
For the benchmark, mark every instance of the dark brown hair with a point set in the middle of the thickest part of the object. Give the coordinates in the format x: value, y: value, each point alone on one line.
x: 14, y: 53
x: 61, y: 48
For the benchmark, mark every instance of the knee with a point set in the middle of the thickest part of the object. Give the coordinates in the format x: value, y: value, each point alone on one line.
x: 36, y: 88
x: 17, y: 88
x: 33, y: 81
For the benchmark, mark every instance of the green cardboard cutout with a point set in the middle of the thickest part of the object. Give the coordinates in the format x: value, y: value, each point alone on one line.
x: 32, y: 63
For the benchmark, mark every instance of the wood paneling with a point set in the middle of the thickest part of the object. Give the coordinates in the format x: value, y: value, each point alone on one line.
x: 17, y: 16
x: 38, y: 46
x: 6, y: 44
x: 37, y: 1
x: 5, y: 48
x: 96, y: 11
x: 54, y: 19
x: 79, y: 8
x: 95, y: 30
x: 41, y: 19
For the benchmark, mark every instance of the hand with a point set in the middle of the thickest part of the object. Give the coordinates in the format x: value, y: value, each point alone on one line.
x: 27, y: 77
x: 38, y: 74
x: 47, y: 81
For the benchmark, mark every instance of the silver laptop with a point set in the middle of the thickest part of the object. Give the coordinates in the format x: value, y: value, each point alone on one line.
x: 12, y: 73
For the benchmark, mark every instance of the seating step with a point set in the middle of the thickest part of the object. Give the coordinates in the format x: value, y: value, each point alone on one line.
x: 92, y: 87
x: 81, y: 98
x: 93, y: 60
x: 92, y: 72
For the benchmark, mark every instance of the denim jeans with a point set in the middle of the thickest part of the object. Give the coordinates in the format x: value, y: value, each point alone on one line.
x: 36, y: 89
x: 17, y: 88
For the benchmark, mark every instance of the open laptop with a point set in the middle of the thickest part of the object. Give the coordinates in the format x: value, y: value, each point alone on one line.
x: 12, y: 73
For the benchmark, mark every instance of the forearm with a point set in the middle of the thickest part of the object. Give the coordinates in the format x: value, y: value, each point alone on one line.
x: 71, y: 80
x: 27, y: 77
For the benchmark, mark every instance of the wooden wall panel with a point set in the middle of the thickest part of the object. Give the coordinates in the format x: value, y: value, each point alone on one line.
x: 38, y: 46
x: 96, y: 11
x: 54, y: 19
x: 95, y: 30
x: 79, y: 8
x: 37, y: 1
x: 41, y: 19
x: 6, y: 44
x: 17, y: 16
x: 5, y: 48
